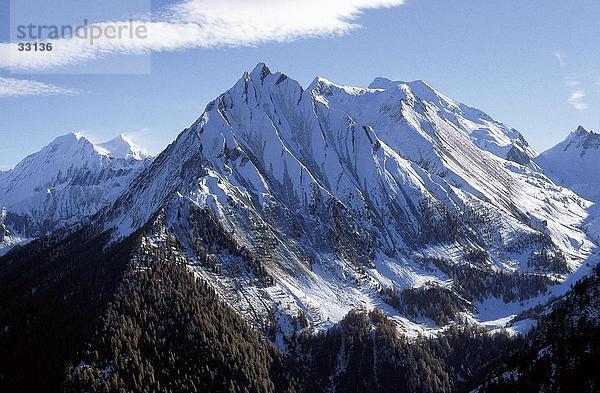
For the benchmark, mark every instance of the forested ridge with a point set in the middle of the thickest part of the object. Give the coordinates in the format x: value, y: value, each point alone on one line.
x: 166, y: 331
x: 80, y: 316
x: 50, y: 296
x: 563, y: 352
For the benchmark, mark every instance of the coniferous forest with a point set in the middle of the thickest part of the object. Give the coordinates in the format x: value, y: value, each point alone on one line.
x: 135, y: 319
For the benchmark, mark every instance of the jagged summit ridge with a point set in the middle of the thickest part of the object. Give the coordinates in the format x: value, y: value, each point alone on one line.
x: 583, y: 140
x: 66, y: 181
x: 343, y: 193
x: 575, y: 163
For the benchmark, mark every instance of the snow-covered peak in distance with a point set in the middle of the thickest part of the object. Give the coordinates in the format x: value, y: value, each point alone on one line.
x: 582, y: 141
x: 122, y: 147
x: 67, y: 151
x: 66, y: 181
x: 575, y: 163
x: 57, y: 161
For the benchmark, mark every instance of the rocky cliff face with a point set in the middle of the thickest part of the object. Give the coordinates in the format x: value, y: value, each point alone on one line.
x: 334, y: 197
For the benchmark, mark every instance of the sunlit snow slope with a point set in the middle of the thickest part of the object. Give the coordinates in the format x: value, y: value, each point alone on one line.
x: 333, y: 197
x: 66, y: 181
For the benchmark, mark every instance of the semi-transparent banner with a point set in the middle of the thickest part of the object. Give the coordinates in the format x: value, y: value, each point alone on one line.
x: 78, y: 37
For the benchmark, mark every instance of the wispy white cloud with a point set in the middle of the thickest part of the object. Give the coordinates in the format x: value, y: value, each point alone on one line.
x: 577, y: 99
x: 561, y: 60
x: 10, y: 87
x: 577, y: 96
x: 205, y: 24
x: 571, y: 81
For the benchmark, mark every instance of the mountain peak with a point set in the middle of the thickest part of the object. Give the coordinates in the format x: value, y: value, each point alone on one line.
x: 578, y: 134
x: 318, y: 83
x: 68, y: 145
x: 418, y: 88
x: 581, y: 139
x: 70, y: 138
x: 382, y: 83
x: 574, y: 163
x: 324, y: 87
x: 260, y: 72
x: 66, y: 181
x: 121, y: 147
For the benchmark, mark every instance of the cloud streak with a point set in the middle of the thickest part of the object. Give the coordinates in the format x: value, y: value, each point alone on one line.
x: 10, y: 87
x: 577, y: 99
x: 571, y: 81
x: 577, y: 96
x: 560, y: 59
x: 205, y: 24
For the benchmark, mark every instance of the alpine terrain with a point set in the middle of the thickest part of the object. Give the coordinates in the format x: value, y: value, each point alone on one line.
x: 575, y: 163
x: 327, y: 238
x: 67, y: 181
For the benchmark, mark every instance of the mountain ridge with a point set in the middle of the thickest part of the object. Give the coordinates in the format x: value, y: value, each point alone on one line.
x: 66, y: 181
x: 397, y: 183
x: 573, y: 163
x: 385, y: 180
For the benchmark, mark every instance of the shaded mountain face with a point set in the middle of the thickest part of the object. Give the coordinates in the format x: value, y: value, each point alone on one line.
x: 324, y: 199
x: 575, y: 163
x: 65, y: 182
x: 563, y: 352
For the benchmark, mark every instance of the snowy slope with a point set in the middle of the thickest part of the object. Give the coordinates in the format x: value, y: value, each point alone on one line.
x: 488, y: 134
x: 575, y: 163
x: 121, y: 147
x: 65, y: 182
x: 343, y: 193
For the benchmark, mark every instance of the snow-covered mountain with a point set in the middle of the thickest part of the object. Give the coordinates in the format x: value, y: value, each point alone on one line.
x: 575, y: 163
x: 66, y: 181
x: 315, y: 201
x: 297, y: 209
x: 122, y: 147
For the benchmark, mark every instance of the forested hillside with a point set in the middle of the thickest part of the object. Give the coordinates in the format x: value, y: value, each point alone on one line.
x: 563, y: 351
x: 134, y: 318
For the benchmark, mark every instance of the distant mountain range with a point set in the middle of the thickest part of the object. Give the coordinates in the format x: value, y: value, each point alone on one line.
x: 295, y: 206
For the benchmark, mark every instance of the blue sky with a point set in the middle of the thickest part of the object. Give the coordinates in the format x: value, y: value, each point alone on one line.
x: 534, y: 65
